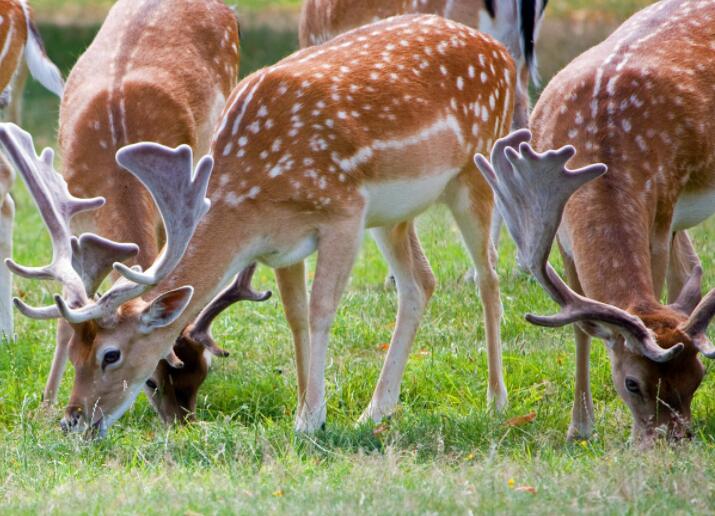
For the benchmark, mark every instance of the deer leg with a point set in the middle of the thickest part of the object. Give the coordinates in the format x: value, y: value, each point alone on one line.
x: 660, y: 256
x: 59, y: 362
x: 7, y: 216
x: 683, y: 259
x: 337, y: 249
x: 415, y: 284
x: 291, y: 283
x: 470, y: 202
x: 581, y: 426
x: 14, y: 109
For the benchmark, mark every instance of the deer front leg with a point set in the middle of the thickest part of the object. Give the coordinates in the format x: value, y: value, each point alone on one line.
x: 59, y: 362
x: 291, y: 283
x: 581, y: 426
x: 683, y: 259
x: 7, y: 217
x: 415, y: 285
x: 337, y: 249
x: 660, y: 257
x: 470, y: 202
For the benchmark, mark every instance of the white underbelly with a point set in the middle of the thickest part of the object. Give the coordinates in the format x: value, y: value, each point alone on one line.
x: 396, y: 201
x: 692, y: 209
x: 296, y: 252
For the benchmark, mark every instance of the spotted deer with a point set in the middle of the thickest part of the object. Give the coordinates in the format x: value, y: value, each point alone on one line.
x: 641, y: 103
x: 516, y: 23
x: 365, y: 131
x: 20, y: 39
x: 128, y: 87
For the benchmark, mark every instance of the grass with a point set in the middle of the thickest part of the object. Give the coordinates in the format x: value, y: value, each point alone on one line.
x: 442, y: 452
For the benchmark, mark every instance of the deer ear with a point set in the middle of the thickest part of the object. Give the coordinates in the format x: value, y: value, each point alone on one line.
x: 165, y: 309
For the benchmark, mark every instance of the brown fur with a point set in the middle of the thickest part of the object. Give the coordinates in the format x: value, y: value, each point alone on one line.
x: 158, y: 72
x: 641, y: 102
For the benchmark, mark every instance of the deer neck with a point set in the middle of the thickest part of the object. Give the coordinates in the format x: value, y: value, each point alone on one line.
x: 606, y: 232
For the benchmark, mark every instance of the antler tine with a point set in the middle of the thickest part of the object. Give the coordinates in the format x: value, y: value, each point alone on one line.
x: 702, y: 316
x: 181, y: 199
x: 531, y: 191
x: 239, y: 290
x: 179, y: 195
x: 79, y: 265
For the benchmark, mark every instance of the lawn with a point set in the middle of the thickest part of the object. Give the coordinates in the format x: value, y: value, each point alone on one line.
x: 443, y: 451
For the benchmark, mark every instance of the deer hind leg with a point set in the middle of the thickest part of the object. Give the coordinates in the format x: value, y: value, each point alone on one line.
x: 470, y: 202
x: 581, y: 426
x: 415, y: 284
x: 291, y: 283
x: 338, y: 247
x: 14, y: 109
x: 683, y: 259
x: 7, y: 217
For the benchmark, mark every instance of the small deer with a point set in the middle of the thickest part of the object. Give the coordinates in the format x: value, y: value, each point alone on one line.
x: 365, y: 131
x: 128, y: 87
x: 20, y: 38
x: 639, y: 102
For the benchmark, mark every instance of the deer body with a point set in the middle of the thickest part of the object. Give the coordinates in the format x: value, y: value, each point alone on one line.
x: 19, y: 39
x: 128, y: 87
x: 642, y: 103
x: 515, y: 23
x: 366, y: 130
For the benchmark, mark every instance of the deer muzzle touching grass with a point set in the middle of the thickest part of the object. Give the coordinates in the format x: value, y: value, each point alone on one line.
x: 128, y: 86
x: 365, y: 131
x: 531, y: 191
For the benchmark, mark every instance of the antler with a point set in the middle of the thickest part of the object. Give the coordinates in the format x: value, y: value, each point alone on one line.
x: 180, y: 196
x: 531, y: 191
x: 79, y: 265
x: 239, y: 290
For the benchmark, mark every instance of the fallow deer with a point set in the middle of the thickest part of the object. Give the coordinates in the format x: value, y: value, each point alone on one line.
x: 20, y: 38
x: 642, y: 103
x: 365, y: 131
x: 516, y: 23
x: 130, y: 86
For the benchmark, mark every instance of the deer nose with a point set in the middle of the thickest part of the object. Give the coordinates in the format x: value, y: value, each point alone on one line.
x: 72, y: 419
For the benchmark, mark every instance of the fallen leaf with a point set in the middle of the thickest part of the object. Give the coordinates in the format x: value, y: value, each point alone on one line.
x: 526, y: 489
x: 380, y: 429
x: 471, y: 456
x: 384, y: 346
x: 521, y: 420
x: 279, y: 492
x: 424, y: 353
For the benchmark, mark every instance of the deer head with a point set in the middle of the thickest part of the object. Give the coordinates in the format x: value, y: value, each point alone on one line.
x: 114, y: 332
x: 654, y: 357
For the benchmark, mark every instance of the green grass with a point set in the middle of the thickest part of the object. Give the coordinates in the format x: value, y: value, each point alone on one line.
x: 442, y: 452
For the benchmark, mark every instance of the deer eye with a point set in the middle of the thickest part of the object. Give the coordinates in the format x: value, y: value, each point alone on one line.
x: 632, y: 386
x: 111, y: 356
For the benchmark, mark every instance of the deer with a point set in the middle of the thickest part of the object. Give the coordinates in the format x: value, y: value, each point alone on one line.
x: 127, y: 87
x: 516, y: 23
x: 308, y: 154
x: 21, y: 39
x: 634, y: 103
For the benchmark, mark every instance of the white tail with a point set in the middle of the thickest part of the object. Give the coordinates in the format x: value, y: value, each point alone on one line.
x: 42, y: 69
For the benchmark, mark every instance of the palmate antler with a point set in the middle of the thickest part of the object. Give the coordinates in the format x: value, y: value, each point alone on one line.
x: 79, y: 264
x: 180, y: 196
x: 239, y: 290
x: 531, y: 191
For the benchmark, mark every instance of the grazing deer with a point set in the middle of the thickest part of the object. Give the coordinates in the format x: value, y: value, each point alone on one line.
x: 19, y: 38
x: 515, y: 23
x: 129, y: 87
x: 641, y: 102
x: 365, y: 131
